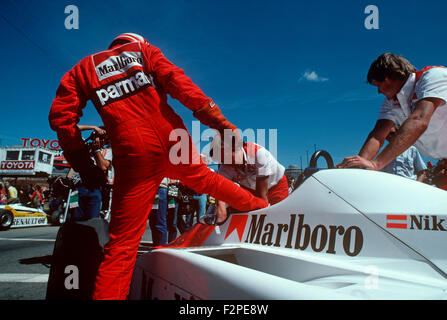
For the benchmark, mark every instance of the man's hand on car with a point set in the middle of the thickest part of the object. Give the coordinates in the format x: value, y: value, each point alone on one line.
x: 357, y: 162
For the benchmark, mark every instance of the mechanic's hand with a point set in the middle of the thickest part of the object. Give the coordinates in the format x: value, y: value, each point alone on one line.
x: 357, y: 162
x: 99, y: 141
x: 100, y: 131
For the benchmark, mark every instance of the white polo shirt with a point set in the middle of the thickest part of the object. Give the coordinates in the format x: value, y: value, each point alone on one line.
x: 259, y: 163
x: 432, y: 83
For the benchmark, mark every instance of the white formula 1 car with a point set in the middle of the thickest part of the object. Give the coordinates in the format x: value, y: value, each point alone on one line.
x: 342, y: 234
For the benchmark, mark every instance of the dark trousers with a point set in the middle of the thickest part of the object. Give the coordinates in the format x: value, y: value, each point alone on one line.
x: 157, y: 219
x: 89, y: 204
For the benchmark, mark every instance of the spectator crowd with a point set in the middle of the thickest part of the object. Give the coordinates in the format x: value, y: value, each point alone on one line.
x: 32, y: 195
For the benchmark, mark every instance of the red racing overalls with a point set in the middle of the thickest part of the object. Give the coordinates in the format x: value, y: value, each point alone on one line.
x: 128, y: 84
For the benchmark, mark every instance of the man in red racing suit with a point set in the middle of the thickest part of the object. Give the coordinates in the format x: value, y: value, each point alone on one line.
x: 128, y: 84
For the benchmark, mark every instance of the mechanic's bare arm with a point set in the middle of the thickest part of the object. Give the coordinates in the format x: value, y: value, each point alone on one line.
x: 83, y: 127
x: 406, y: 136
x: 221, y: 210
x: 262, y: 184
x: 372, y: 145
x: 409, y: 132
x: 102, y: 163
x: 376, y: 139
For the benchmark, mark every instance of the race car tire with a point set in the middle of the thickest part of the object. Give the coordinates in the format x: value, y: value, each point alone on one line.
x: 57, y: 217
x: 6, y: 219
x: 60, y: 218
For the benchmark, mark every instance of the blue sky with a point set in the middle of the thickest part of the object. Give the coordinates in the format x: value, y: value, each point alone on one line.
x: 295, y: 66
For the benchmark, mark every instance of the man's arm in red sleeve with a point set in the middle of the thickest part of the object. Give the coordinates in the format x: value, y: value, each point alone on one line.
x: 64, y: 116
x: 180, y: 87
x: 65, y: 112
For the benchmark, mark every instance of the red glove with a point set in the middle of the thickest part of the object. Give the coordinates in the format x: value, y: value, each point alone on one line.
x: 211, y: 116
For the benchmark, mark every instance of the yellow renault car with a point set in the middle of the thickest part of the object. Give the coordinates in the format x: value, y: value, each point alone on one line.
x: 18, y: 215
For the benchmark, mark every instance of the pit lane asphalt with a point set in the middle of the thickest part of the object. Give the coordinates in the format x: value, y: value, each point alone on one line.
x: 25, y: 260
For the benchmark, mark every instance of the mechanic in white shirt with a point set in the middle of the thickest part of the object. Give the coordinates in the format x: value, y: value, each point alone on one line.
x: 415, y: 99
x: 252, y: 167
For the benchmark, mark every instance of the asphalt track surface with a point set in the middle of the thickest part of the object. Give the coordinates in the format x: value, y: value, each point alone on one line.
x: 25, y: 260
